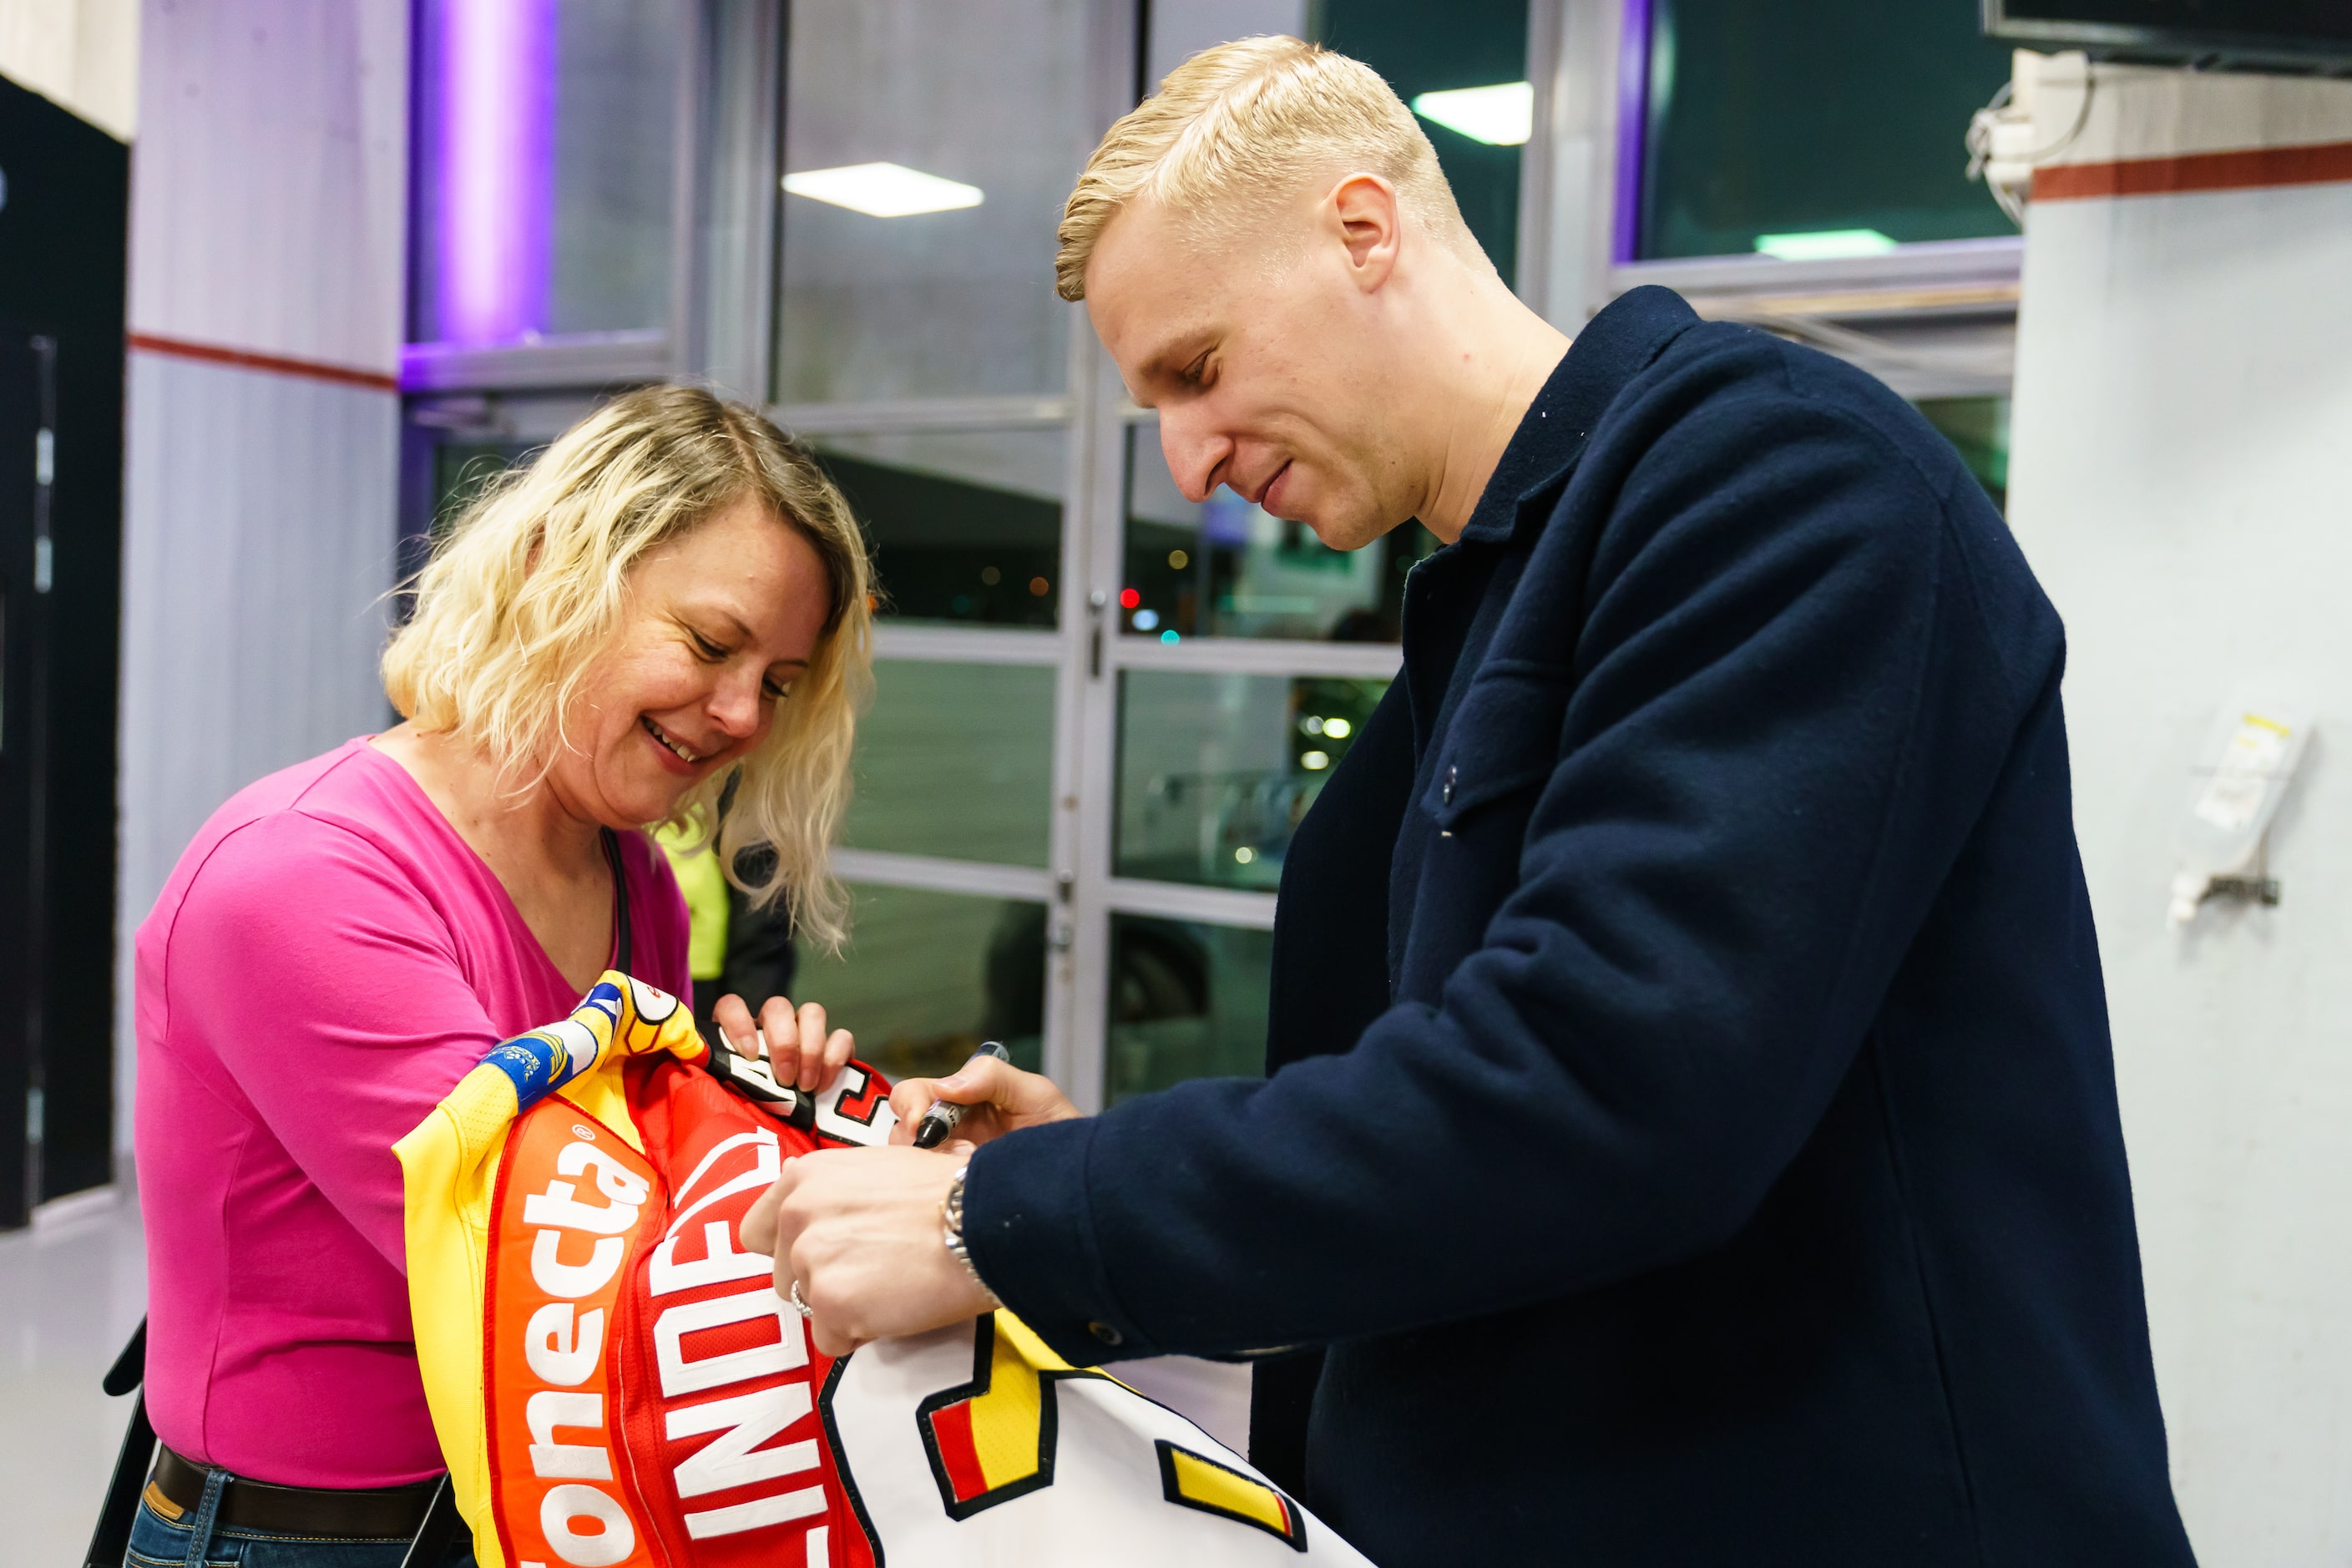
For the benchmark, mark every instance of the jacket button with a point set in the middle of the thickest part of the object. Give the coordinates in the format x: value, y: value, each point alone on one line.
x: 1106, y: 1333
x: 1451, y: 774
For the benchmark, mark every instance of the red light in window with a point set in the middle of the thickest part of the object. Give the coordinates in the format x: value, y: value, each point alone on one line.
x: 1129, y: 598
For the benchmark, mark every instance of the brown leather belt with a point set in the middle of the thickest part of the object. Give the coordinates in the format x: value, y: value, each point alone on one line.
x: 387, y: 1513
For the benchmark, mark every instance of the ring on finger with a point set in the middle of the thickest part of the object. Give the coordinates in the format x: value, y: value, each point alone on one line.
x: 796, y: 1304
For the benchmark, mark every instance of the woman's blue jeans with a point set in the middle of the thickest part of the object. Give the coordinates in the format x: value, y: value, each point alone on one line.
x: 195, y: 1541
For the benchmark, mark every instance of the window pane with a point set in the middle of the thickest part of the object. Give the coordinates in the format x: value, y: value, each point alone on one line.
x: 944, y: 300
x: 966, y: 525
x: 956, y: 760
x: 460, y: 470
x: 1225, y: 568
x: 545, y: 176
x: 1215, y: 771
x: 927, y: 976
x: 1432, y: 49
x: 1979, y: 427
x: 1814, y: 116
x: 1186, y: 1001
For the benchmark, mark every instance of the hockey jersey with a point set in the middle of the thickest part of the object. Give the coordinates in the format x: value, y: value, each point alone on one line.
x: 615, y: 1384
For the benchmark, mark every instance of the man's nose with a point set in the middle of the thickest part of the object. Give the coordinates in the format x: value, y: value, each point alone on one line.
x: 1194, y: 454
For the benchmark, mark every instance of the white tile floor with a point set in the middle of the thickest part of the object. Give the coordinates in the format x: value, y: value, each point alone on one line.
x: 71, y: 1289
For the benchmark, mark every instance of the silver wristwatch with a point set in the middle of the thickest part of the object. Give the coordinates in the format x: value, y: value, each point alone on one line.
x: 951, y: 1214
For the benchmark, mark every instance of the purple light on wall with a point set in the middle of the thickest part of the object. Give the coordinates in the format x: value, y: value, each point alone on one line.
x: 1633, y: 126
x: 496, y: 106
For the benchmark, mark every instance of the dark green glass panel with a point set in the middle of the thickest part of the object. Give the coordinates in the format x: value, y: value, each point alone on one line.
x: 1805, y: 116
x: 966, y: 526
x: 956, y: 760
x: 1422, y: 47
x: 927, y: 976
x: 1215, y: 770
x: 1186, y: 1001
x: 1225, y: 568
x: 460, y: 470
x: 1979, y: 427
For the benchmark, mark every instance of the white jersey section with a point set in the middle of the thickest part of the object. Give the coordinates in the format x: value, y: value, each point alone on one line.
x: 1107, y: 1501
x: 855, y: 1109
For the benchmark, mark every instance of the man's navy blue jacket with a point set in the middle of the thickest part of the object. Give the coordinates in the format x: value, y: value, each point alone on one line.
x: 1694, y: 1132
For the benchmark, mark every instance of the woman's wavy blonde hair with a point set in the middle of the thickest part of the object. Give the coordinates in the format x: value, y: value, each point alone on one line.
x: 529, y: 583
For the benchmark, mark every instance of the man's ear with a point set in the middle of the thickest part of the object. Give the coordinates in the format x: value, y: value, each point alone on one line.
x: 1362, y: 210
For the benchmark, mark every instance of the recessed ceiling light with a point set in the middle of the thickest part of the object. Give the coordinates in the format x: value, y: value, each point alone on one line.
x: 1825, y: 245
x: 1503, y: 115
x: 883, y: 190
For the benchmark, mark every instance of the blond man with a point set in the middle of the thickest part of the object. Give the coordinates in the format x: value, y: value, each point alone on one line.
x: 1690, y: 1134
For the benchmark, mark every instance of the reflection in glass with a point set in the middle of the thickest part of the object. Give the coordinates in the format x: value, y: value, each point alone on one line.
x: 460, y: 470
x: 1979, y: 428
x: 1225, y: 568
x: 927, y: 976
x: 1186, y: 1001
x: 988, y: 94
x: 966, y: 525
x: 1432, y: 49
x: 956, y: 760
x: 545, y: 174
x: 1743, y: 98
x: 1215, y: 770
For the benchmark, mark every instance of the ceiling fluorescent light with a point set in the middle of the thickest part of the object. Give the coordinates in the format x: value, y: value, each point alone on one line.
x: 1825, y: 245
x: 1503, y: 115
x: 883, y: 190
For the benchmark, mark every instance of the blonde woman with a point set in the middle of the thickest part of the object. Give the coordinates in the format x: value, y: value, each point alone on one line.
x: 671, y: 594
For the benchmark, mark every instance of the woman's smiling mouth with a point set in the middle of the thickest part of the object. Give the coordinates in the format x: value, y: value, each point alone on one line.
x: 681, y: 752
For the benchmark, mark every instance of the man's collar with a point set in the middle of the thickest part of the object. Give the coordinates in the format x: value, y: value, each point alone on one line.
x: 1614, y: 348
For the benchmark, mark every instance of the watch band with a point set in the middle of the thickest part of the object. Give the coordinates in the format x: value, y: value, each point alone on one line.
x: 951, y: 1217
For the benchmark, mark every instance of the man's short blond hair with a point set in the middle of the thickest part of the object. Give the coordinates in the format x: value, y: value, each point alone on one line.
x: 1243, y: 122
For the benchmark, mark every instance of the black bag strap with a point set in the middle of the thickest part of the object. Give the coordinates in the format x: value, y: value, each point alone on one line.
x: 430, y: 1549
x: 620, y: 901
x: 110, y: 1542
x: 129, y: 1368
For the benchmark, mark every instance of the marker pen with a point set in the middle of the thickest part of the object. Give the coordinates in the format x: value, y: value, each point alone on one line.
x: 940, y: 1122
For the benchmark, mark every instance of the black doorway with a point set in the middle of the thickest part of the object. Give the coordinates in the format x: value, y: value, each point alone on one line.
x: 64, y: 206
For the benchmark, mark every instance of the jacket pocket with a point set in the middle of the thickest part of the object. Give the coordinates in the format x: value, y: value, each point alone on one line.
x: 1505, y: 738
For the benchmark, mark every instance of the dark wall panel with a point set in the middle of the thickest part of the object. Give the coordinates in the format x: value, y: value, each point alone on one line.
x: 63, y: 234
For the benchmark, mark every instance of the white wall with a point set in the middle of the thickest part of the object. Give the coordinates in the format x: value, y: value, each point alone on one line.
x: 268, y: 218
x: 2181, y: 480
x: 82, y: 54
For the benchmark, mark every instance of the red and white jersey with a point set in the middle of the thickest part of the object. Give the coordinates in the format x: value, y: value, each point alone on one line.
x: 615, y: 1384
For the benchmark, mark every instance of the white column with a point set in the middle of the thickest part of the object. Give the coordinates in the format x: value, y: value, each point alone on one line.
x: 268, y: 249
x: 2181, y: 480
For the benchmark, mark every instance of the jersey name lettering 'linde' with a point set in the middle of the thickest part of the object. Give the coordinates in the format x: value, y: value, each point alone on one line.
x: 706, y: 1340
x: 745, y: 1421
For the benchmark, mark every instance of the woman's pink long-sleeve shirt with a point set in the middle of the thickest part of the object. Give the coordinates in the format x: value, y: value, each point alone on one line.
x: 327, y: 961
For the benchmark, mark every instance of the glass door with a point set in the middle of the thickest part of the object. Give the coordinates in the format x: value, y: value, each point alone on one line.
x: 920, y: 351
x: 1100, y: 708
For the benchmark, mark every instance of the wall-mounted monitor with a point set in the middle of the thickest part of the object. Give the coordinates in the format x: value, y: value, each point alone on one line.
x: 2269, y: 35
